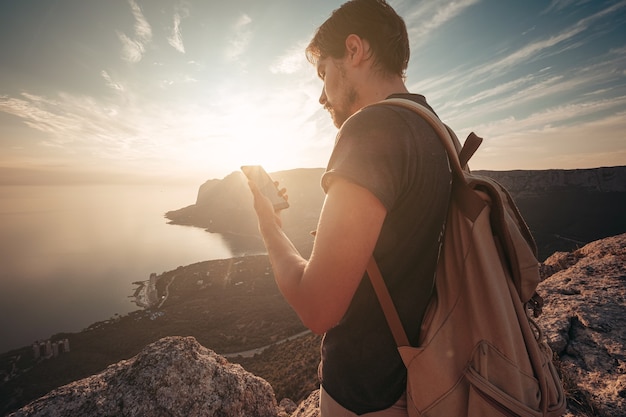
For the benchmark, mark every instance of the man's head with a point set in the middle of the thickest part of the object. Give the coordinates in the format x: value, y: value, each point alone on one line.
x: 373, y: 21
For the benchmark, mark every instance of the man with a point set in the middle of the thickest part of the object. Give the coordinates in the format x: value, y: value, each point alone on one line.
x: 387, y: 187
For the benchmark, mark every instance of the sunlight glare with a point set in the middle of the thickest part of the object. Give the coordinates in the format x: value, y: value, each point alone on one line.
x: 258, y: 135
x: 260, y: 144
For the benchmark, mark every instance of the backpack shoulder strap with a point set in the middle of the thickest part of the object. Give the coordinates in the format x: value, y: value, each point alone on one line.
x: 389, y: 309
x: 457, y: 157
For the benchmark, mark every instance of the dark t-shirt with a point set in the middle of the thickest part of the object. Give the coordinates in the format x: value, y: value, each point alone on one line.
x: 397, y: 156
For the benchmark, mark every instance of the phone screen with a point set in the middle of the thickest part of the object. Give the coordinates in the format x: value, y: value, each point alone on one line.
x: 257, y: 174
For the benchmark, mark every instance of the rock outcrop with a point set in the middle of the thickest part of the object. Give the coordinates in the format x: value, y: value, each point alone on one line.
x: 585, y: 294
x: 583, y: 319
x: 225, y: 206
x: 174, y: 376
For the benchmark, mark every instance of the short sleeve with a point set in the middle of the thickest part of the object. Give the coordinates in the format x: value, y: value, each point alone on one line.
x: 372, y: 151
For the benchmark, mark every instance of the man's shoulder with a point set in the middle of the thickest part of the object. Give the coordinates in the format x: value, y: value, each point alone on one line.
x: 372, y: 121
x: 382, y: 114
x: 411, y: 96
x: 382, y: 108
x: 371, y: 115
x: 417, y: 98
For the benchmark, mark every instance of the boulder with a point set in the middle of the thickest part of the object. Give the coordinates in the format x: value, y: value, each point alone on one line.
x: 583, y: 320
x: 174, y: 376
x: 310, y: 407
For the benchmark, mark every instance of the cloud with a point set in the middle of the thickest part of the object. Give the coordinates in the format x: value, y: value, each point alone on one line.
x: 241, y: 39
x: 532, y: 102
x: 291, y: 61
x: 143, y: 31
x: 425, y: 18
x: 132, y: 51
x: 176, y: 38
x: 552, y: 118
x: 36, y: 111
x: 517, y: 107
x: 540, y: 142
x: 603, y: 13
x: 529, y: 85
x: 206, y: 134
x: 576, y: 84
x: 110, y: 83
x: 531, y: 52
x: 558, y: 5
x: 73, y: 122
x: 134, y: 48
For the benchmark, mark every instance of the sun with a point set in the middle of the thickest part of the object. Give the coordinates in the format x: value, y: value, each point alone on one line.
x: 277, y: 132
x: 262, y: 141
x: 255, y: 148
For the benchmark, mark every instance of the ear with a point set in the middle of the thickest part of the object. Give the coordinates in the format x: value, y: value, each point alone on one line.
x: 356, y: 49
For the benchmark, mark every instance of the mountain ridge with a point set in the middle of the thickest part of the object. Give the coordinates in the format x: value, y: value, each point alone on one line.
x: 564, y: 209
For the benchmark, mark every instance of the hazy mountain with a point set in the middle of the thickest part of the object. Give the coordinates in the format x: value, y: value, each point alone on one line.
x: 564, y: 209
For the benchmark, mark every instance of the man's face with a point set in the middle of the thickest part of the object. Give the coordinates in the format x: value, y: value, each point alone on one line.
x: 338, y: 94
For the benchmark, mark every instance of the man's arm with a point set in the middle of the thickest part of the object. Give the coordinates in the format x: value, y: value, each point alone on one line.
x: 320, y: 289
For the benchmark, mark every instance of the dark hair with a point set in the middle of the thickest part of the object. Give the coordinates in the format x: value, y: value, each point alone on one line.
x: 372, y: 20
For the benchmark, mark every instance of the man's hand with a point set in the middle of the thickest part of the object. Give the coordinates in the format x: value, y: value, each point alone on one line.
x: 264, y: 208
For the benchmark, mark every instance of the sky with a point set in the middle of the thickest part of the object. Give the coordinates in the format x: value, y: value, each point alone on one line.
x: 189, y: 90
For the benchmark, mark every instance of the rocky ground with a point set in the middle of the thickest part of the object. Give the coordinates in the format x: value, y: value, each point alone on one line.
x: 585, y: 293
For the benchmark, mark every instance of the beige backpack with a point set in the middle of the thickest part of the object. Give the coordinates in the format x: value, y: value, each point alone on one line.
x: 480, y: 353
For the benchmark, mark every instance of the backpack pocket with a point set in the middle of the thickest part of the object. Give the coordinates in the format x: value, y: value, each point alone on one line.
x: 497, y: 387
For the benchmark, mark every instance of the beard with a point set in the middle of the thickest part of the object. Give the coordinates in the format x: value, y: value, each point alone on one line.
x: 342, y: 109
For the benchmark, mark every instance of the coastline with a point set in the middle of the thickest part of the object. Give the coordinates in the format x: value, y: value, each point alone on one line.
x: 146, y: 295
x: 231, y: 306
x: 107, y: 236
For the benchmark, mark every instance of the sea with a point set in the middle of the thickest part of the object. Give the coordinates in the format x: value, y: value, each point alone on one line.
x: 69, y: 254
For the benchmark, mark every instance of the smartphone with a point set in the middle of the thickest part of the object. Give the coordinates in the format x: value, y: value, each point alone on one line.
x: 257, y: 175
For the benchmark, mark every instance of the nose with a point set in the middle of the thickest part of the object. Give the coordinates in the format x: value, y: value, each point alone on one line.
x: 323, y: 100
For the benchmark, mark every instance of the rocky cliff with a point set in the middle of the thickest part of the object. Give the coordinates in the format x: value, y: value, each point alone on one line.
x: 585, y: 293
x: 533, y: 183
x: 225, y: 206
